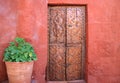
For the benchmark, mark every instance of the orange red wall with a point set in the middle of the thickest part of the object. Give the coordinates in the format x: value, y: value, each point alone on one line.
x: 8, y: 24
x: 28, y: 19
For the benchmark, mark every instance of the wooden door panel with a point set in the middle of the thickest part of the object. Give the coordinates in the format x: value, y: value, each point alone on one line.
x: 56, y: 69
x: 73, y: 54
x: 66, y: 42
x: 74, y: 75
x: 57, y: 62
x: 73, y: 62
x: 74, y: 25
x: 57, y: 25
x: 75, y: 20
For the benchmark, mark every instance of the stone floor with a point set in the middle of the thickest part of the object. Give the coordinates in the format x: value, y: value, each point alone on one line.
x: 77, y: 81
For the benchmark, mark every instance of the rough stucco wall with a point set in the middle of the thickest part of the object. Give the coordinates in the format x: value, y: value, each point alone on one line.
x: 8, y: 25
x: 32, y: 25
x: 103, y: 39
x: 25, y: 18
x: 103, y: 35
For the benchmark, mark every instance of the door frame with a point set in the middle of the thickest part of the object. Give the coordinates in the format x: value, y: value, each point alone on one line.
x: 84, y: 58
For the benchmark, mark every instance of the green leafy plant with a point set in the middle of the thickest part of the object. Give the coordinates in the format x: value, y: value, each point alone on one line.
x: 19, y: 51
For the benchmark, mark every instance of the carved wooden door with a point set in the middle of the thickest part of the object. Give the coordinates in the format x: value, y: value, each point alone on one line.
x: 66, y: 26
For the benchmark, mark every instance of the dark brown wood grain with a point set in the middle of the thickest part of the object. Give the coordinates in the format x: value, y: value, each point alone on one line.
x: 73, y: 62
x: 56, y: 68
x: 57, y: 25
x: 57, y: 62
x: 66, y: 26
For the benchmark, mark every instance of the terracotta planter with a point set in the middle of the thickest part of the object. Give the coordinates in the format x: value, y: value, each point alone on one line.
x: 19, y: 72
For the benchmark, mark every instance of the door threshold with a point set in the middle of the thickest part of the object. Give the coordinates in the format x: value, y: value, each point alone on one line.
x: 75, y: 81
